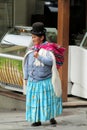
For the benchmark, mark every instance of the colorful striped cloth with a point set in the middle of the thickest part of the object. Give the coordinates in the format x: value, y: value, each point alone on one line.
x: 57, y: 50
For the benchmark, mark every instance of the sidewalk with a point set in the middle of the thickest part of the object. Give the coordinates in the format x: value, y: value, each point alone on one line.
x: 12, y: 114
x: 71, y: 119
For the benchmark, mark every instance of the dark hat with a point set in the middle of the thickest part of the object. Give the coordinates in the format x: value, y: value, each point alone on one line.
x: 38, y: 29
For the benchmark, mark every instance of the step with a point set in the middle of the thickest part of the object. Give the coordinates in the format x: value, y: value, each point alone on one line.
x: 16, y: 100
x: 11, y: 100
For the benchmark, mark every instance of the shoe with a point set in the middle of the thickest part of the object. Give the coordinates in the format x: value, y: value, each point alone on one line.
x: 36, y: 123
x: 53, y: 121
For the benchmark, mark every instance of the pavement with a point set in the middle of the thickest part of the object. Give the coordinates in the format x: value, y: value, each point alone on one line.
x: 71, y: 119
x: 12, y: 114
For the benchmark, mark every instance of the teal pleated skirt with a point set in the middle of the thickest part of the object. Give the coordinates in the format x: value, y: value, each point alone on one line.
x: 41, y: 102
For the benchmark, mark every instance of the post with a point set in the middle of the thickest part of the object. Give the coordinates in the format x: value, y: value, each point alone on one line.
x: 63, y: 40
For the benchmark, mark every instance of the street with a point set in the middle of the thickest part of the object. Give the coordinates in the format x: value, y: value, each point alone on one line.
x: 71, y: 119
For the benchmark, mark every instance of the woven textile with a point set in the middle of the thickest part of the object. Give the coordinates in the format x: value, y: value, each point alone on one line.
x: 41, y: 102
x: 57, y: 50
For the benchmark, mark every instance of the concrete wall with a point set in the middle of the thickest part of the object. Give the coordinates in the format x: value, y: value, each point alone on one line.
x: 30, y: 10
x: 20, y: 12
x: 34, y: 7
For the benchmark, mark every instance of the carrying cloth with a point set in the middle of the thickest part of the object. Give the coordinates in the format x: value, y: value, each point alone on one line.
x: 57, y: 50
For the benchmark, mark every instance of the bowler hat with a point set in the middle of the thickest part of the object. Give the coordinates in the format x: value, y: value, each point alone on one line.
x: 38, y: 29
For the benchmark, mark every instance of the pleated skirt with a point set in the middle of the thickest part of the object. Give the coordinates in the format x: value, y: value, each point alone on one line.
x: 41, y: 102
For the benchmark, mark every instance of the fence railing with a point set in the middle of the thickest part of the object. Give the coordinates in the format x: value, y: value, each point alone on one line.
x: 11, y: 74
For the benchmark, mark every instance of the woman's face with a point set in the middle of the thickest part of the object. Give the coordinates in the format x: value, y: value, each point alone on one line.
x: 37, y: 40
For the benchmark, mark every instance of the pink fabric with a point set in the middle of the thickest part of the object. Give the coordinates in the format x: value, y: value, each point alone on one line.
x: 56, y: 49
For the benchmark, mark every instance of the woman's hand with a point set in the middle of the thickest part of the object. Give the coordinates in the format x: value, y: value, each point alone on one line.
x: 36, y: 54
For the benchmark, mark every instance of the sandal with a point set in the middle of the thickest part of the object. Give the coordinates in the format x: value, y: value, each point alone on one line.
x: 36, y: 123
x: 53, y: 121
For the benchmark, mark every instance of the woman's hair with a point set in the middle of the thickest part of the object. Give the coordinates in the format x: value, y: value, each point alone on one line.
x: 44, y: 37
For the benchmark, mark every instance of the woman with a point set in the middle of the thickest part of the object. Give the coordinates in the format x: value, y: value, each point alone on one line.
x: 42, y: 103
